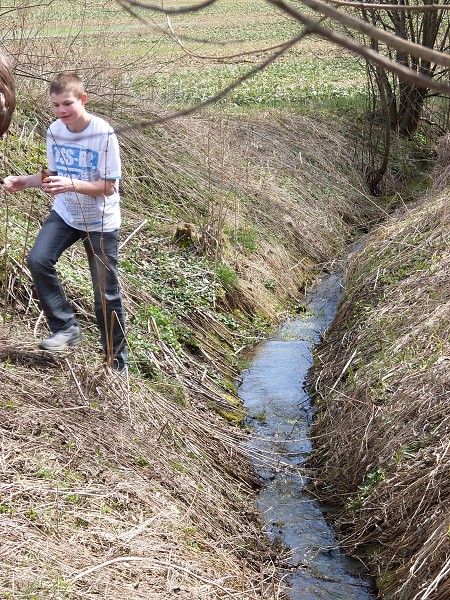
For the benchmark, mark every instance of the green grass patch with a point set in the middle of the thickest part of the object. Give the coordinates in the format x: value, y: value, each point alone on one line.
x: 154, y: 66
x: 284, y: 84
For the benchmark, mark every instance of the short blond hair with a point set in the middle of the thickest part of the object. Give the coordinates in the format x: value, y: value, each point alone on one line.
x: 67, y: 81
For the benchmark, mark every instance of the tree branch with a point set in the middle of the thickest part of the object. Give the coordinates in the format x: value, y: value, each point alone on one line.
x: 419, y: 80
x: 365, y: 28
x: 389, y: 7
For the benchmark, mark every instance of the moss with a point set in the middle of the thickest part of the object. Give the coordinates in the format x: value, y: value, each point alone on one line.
x: 236, y: 417
x: 386, y: 581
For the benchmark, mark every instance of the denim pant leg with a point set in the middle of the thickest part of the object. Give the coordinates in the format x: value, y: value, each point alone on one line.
x: 54, y: 237
x: 102, y: 252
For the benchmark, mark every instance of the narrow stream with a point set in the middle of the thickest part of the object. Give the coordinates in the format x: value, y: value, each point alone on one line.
x: 280, y: 412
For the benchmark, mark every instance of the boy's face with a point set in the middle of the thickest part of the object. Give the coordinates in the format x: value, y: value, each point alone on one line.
x: 70, y: 109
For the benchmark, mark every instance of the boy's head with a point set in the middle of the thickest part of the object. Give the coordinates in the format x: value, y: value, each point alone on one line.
x: 68, y: 98
x: 67, y: 81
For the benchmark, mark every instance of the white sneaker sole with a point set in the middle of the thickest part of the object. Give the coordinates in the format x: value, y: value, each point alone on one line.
x: 42, y: 346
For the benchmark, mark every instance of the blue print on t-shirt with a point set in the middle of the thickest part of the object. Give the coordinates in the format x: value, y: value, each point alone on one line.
x: 75, y: 161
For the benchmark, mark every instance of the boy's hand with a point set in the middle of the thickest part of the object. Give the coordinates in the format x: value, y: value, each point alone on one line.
x: 54, y: 184
x: 14, y: 183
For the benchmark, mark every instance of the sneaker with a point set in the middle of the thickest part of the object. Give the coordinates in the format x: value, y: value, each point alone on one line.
x: 122, y: 371
x: 120, y: 367
x: 59, y: 341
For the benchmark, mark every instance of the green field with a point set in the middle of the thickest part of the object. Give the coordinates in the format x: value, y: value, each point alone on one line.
x: 206, y: 51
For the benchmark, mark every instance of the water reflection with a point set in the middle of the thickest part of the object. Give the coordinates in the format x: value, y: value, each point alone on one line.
x: 280, y: 413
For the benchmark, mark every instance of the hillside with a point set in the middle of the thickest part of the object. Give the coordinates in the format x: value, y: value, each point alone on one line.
x: 383, y: 384
x: 140, y: 488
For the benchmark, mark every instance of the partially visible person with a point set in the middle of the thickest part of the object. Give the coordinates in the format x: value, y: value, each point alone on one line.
x: 83, y: 174
x: 7, y: 95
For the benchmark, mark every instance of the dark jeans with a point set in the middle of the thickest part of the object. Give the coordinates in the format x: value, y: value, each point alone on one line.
x: 56, y: 236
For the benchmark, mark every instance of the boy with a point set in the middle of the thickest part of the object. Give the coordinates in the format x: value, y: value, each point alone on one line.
x: 83, y: 173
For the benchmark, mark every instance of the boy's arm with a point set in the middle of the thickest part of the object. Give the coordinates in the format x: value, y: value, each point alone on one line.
x: 54, y: 184
x: 16, y: 183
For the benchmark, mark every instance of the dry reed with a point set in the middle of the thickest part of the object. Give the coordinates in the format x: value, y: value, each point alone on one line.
x: 384, y: 391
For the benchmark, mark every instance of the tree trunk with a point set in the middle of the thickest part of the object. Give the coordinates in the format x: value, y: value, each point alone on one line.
x: 410, y: 109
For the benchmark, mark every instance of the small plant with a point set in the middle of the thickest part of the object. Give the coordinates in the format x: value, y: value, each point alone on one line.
x: 5, y: 508
x: 261, y: 416
x: 246, y: 237
x: 372, y: 480
x: 43, y: 473
x: 140, y: 460
x: 227, y: 276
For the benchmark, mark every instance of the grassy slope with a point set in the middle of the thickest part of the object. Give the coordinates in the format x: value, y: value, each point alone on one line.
x: 93, y: 472
x: 384, y: 391
x: 148, y: 486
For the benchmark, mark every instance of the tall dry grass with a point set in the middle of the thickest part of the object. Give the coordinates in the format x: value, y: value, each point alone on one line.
x: 383, y: 388
x: 272, y: 197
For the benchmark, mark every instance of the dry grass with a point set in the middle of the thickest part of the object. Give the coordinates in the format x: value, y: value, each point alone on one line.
x: 120, y: 491
x: 277, y: 196
x: 146, y: 492
x: 441, y: 173
x: 385, y: 393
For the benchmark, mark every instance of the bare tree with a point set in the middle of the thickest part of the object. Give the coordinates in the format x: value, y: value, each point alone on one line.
x: 429, y: 28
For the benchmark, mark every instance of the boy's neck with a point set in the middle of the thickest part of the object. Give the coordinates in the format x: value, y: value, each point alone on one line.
x: 81, y: 123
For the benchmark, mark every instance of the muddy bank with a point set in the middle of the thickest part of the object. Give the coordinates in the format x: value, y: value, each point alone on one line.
x: 383, y: 394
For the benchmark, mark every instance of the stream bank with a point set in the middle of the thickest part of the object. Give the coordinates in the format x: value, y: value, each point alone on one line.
x: 382, y: 427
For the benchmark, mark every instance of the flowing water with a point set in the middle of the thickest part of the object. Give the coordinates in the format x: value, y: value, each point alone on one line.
x: 280, y: 412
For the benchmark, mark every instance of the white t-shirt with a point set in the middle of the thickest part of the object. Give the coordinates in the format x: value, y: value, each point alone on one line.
x: 89, y: 155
